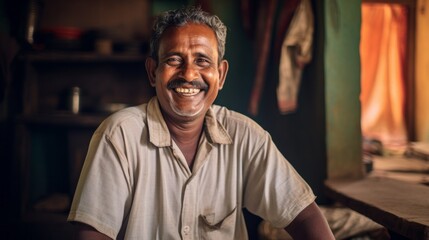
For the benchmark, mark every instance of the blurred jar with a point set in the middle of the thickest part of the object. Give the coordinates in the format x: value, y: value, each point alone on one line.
x: 75, y: 100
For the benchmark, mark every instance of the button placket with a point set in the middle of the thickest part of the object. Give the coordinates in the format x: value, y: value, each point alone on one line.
x: 188, y: 211
x: 186, y: 229
x: 180, y: 159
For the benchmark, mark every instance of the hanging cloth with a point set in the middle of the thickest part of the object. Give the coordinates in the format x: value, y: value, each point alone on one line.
x: 296, y: 52
x: 268, y: 38
x: 264, y: 33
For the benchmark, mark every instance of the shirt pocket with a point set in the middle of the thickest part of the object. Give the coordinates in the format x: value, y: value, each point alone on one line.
x: 218, y: 227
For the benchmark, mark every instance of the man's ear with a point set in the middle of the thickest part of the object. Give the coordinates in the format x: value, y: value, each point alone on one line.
x: 223, y: 71
x: 151, y: 69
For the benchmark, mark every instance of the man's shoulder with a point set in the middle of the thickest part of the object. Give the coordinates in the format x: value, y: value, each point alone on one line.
x: 128, y: 117
x: 129, y: 113
x: 233, y: 119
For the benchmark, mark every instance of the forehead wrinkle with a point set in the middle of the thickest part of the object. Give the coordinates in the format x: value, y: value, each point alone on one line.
x: 195, y: 37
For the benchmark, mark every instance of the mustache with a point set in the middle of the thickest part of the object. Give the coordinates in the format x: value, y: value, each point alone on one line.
x: 180, y: 82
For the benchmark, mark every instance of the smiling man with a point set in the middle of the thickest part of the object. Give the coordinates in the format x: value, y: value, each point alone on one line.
x: 180, y: 167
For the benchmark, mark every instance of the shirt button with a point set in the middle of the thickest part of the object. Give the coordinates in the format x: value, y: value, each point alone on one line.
x: 186, y: 229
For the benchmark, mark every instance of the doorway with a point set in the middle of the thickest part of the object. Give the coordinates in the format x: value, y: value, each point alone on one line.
x: 387, y: 82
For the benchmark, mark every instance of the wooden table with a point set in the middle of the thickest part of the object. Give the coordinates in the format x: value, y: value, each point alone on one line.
x: 400, y: 206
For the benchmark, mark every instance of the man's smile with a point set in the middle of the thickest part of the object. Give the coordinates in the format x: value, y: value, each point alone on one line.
x: 186, y: 88
x: 188, y: 91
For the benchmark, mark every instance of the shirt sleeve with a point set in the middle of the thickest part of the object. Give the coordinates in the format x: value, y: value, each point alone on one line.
x: 103, y: 193
x: 273, y: 189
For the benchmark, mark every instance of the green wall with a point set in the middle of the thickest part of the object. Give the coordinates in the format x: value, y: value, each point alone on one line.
x: 236, y: 92
x: 342, y: 87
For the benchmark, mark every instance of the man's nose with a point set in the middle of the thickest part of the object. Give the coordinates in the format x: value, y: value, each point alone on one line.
x: 189, y: 72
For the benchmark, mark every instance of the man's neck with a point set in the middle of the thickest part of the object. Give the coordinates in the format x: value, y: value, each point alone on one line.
x: 186, y: 135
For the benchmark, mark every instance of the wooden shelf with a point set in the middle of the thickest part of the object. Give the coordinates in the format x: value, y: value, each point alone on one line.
x: 52, y: 57
x: 50, y: 143
x: 63, y: 119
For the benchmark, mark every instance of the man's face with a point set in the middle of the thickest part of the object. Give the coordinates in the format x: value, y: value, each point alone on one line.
x: 188, y: 75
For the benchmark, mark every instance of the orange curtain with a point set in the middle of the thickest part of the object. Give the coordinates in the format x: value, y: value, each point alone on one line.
x: 382, y: 49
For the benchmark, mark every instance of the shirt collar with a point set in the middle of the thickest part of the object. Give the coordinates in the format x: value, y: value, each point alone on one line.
x: 160, y: 136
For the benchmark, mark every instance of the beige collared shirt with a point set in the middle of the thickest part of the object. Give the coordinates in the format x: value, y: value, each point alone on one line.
x: 136, y: 184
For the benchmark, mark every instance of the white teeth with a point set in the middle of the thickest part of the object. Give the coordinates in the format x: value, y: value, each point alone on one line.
x: 188, y: 91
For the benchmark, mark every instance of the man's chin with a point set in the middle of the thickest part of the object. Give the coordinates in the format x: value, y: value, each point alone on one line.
x: 187, y: 113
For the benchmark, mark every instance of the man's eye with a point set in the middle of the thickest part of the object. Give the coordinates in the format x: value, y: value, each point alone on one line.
x: 173, y: 61
x: 203, y: 62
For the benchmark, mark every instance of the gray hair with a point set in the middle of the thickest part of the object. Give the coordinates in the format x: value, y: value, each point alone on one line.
x: 181, y: 17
